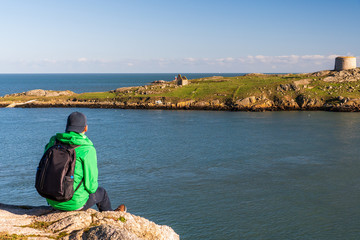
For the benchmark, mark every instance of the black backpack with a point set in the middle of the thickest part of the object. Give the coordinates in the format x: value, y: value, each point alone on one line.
x: 55, y: 174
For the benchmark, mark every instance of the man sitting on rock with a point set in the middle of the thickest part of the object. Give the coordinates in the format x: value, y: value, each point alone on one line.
x: 87, y: 193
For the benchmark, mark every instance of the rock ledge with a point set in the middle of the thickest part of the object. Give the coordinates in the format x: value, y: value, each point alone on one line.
x: 46, y: 223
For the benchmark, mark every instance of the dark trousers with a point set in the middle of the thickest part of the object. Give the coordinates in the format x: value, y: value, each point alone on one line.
x: 101, y: 199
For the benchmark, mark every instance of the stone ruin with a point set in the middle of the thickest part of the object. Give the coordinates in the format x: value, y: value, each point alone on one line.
x: 181, y: 80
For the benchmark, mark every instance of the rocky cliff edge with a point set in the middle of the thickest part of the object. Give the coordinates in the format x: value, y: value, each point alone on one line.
x: 29, y: 222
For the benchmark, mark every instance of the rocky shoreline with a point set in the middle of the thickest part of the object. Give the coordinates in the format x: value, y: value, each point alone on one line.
x: 248, y: 104
x: 319, y: 91
x: 30, y: 222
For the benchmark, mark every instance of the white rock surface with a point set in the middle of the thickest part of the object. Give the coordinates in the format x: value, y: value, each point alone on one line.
x: 46, y: 223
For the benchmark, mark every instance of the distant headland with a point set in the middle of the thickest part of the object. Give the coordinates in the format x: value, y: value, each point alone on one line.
x: 331, y: 90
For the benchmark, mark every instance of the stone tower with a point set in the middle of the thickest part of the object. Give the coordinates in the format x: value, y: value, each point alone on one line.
x: 344, y: 63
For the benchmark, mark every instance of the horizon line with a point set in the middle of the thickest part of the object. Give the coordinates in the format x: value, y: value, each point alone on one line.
x: 155, y: 72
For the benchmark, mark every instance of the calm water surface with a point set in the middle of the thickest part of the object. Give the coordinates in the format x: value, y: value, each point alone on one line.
x: 208, y: 175
x: 92, y: 82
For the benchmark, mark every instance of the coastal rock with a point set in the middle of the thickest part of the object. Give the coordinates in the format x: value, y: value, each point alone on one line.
x: 158, y: 82
x: 35, y: 92
x: 47, y: 93
x: 104, y: 231
x: 201, y: 104
x: 246, y: 102
x: 288, y: 87
x: 263, y: 104
x: 302, y: 82
x: 123, y: 90
x: 302, y: 100
x: 46, y: 223
x: 350, y: 75
x: 215, y: 77
x: 14, y: 104
x: 342, y: 99
x: 350, y: 102
x: 286, y: 103
x: 255, y: 74
x: 216, y: 103
x: 185, y: 104
x: 321, y: 73
x: 254, y: 103
x: 329, y: 79
x: 307, y: 102
x: 42, y: 93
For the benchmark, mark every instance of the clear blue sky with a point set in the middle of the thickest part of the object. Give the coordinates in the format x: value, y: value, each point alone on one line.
x: 176, y: 36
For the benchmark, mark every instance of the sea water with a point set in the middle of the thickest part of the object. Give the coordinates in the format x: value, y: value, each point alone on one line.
x: 207, y: 174
x: 79, y: 83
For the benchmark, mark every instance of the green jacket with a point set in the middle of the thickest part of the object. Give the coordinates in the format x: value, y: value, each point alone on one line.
x: 85, y: 167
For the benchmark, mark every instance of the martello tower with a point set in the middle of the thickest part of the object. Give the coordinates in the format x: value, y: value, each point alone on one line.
x: 344, y: 63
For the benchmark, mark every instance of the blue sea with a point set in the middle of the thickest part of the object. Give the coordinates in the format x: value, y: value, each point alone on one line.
x: 79, y: 83
x: 207, y: 174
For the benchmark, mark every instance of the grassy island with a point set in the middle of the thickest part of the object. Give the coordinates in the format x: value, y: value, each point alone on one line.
x: 324, y: 90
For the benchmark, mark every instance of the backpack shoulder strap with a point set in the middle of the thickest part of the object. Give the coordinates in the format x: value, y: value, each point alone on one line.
x: 82, y: 180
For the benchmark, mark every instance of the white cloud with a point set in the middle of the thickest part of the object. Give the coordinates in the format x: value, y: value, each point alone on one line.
x: 289, y: 59
x: 313, y: 57
x: 51, y: 61
x: 251, y: 63
x: 82, y: 59
x: 261, y: 58
x: 190, y: 59
x: 333, y: 56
